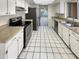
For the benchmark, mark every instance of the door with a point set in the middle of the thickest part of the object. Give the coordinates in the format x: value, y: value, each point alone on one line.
x: 43, y: 16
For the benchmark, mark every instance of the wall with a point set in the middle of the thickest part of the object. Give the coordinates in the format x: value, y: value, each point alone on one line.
x: 51, y: 13
x: 5, y: 18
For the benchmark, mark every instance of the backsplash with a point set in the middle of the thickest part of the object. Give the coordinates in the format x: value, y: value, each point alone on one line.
x: 5, y: 18
x: 60, y: 15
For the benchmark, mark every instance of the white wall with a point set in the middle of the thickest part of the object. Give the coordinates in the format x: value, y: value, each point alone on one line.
x: 5, y: 19
x: 51, y: 13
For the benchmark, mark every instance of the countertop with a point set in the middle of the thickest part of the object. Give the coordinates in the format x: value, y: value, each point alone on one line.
x: 75, y: 29
x: 63, y: 22
x: 7, y: 32
x: 70, y: 20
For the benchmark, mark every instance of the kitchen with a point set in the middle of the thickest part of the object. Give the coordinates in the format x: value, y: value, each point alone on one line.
x: 22, y: 37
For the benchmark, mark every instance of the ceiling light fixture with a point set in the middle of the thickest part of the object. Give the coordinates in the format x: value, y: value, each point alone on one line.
x: 43, y: 2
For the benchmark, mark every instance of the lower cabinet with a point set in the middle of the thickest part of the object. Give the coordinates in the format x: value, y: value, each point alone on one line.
x: 12, y: 48
x: 66, y: 35
x: 60, y: 30
x: 20, y: 43
x: 74, y: 42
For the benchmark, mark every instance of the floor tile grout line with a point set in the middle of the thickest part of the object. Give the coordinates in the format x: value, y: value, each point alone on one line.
x: 46, y: 31
x: 51, y: 47
x: 65, y: 51
x: 62, y: 47
x: 40, y: 46
x: 27, y: 52
x: 45, y: 47
x: 57, y: 48
x: 34, y: 47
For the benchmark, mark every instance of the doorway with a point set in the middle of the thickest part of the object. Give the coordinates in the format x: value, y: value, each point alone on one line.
x: 43, y: 15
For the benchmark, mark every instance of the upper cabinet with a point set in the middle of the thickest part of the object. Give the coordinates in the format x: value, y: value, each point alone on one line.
x: 60, y: 7
x: 7, y: 7
x: 26, y: 7
x: 11, y: 7
x: 3, y: 7
x: 20, y: 3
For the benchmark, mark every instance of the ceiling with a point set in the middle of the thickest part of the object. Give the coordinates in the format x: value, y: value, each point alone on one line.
x: 31, y: 2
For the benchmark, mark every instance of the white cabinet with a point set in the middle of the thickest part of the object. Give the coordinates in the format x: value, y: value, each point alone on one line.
x: 12, y: 50
x: 20, y: 42
x: 7, y: 7
x: 11, y: 6
x: 74, y: 42
x: 66, y: 35
x: 3, y: 7
x: 60, y: 30
x: 60, y: 7
x: 23, y: 3
x: 20, y: 3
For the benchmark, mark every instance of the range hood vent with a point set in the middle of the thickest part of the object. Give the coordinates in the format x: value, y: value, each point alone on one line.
x: 20, y: 8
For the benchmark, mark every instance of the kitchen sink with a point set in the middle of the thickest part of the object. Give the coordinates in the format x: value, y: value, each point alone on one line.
x: 68, y: 24
x: 72, y: 24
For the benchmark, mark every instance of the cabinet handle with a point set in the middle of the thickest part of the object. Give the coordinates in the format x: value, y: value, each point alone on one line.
x: 6, y: 52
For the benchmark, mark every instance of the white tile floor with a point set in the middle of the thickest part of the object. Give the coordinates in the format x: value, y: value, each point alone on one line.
x: 45, y: 44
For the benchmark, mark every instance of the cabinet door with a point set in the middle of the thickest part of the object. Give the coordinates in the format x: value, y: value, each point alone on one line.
x: 74, y: 42
x: 3, y: 7
x: 20, y: 42
x: 60, y: 30
x: 23, y: 3
x: 11, y: 6
x: 62, y: 5
x: 18, y: 3
x: 58, y: 8
x: 66, y: 35
x: 12, y: 50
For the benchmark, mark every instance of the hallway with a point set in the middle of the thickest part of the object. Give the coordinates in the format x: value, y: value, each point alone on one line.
x: 45, y: 44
